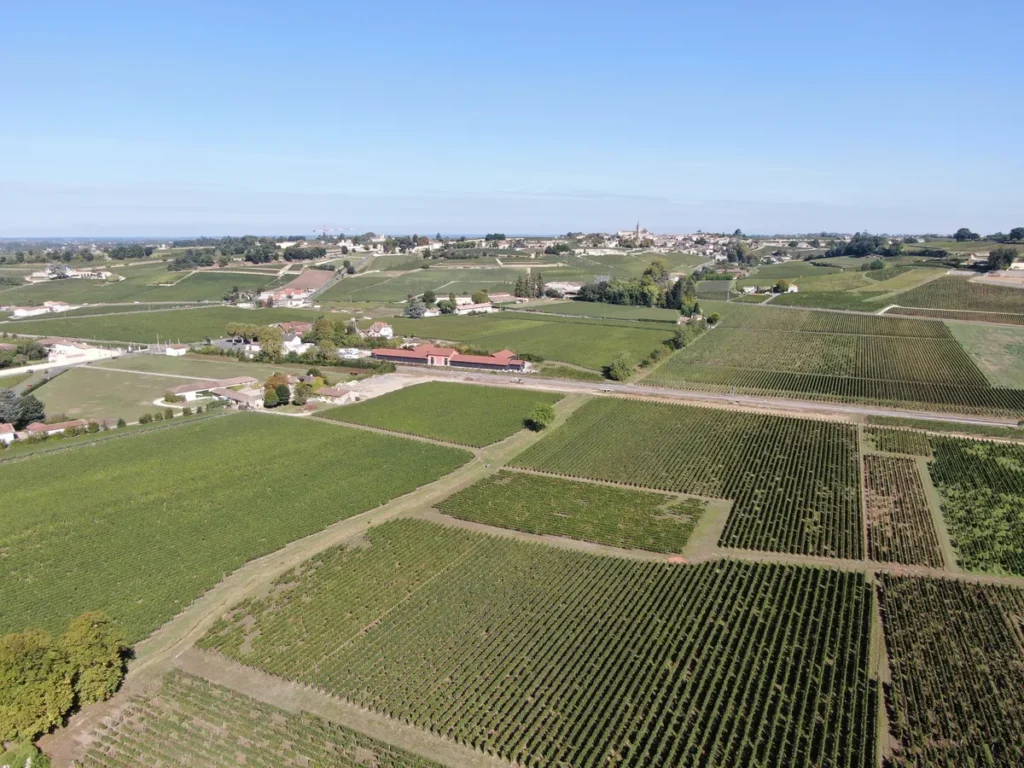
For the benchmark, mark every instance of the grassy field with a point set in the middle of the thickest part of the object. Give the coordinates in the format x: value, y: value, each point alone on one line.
x: 588, y: 343
x: 374, y: 287
x: 759, y: 461
x: 457, y: 413
x: 190, y: 721
x: 545, y: 656
x: 169, y: 513
x: 618, y: 517
x: 10, y: 379
x: 210, y: 367
x: 94, y: 393
x: 556, y: 371
x: 998, y: 352
x: 954, y: 651
x: 982, y: 489
x: 186, y: 325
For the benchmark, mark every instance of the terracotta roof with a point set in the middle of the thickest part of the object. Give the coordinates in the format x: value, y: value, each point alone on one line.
x: 485, y: 359
x: 37, y: 427
x: 8, y: 347
x: 295, y: 326
x: 238, y: 397
x: 379, y: 326
x: 179, y: 346
x: 332, y: 392
x: 6, y: 429
x: 211, y: 385
x: 419, y: 352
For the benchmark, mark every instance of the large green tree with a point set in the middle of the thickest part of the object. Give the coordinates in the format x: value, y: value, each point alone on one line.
x: 1002, y: 257
x: 95, y: 649
x: 36, y: 685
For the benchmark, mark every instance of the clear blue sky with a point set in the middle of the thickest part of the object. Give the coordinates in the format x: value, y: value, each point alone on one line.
x: 530, y: 117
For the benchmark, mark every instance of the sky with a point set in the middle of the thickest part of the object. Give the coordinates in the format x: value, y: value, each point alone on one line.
x: 190, y: 118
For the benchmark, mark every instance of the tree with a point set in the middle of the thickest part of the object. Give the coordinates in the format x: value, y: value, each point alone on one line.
x: 414, y: 308
x: 1002, y: 257
x: 480, y: 297
x: 678, y: 340
x: 121, y: 423
x: 283, y: 393
x: 9, y: 400
x: 713, y: 318
x: 429, y: 297
x: 782, y: 286
x: 270, y: 337
x: 658, y: 272
x: 964, y: 233
x: 36, y: 689
x: 327, y: 350
x: 793, y: 243
x: 302, y: 393
x: 1016, y: 234
x: 350, y: 270
x: 446, y: 307
x: 29, y: 410
x: 95, y: 649
x: 270, y: 399
x: 621, y: 367
x: 541, y: 417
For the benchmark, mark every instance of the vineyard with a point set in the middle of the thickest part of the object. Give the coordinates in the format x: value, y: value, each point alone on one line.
x: 193, y: 722
x: 903, y: 441
x: 1006, y: 318
x: 140, y: 526
x: 900, y: 528
x: 807, y: 321
x: 795, y: 482
x: 618, y: 517
x: 952, y: 292
x: 456, y: 413
x: 957, y: 676
x: 982, y: 430
x: 550, y: 657
x: 982, y: 488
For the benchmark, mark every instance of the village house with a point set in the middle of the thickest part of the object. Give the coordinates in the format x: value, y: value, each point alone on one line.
x: 335, y: 395
x: 176, y: 350
x: 293, y: 343
x: 429, y: 354
x: 37, y: 428
x: 380, y: 331
x: 7, y: 434
x: 20, y: 312
x: 296, y: 326
x: 242, y: 400
x: 67, y: 352
x: 192, y: 390
x: 566, y: 289
x: 469, y: 309
x: 286, y: 297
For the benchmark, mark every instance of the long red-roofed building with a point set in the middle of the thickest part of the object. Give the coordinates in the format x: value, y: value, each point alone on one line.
x: 429, y: 354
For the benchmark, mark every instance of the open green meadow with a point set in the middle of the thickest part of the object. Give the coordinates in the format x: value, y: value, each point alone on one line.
x: 545, y: 656
x: 211, y: 367
x: 88, y: 392
x: 998, y: 352
x: 610, y: 311
x: 590, y: 343
x: 604, y: 514
x: 186, y: 325
x: 795, y: 482
x: 190, y: 721
x: 456, y: 413
x: 396, y: 287
x: 874, y: 359
x: 169, y: 513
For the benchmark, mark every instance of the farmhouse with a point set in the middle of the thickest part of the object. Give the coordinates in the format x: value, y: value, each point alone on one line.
x: 243, y: 400
x: 469, y: 309
x: 176, y: 350
x: 568, y: 290
x: 286, y: 297
x: 335, y: 395
x: 296, y: 326
x: 38, y: 428
x: 66, y: 352
x: 19, y: 312
x: 7, y: 434
x: 428, y: 354
x: 293, y: 343
x: 191, y: 391
x: 380, y: 331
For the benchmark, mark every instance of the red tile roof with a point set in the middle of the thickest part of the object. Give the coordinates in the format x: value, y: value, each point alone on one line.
x: 37, y: 427
x: 6, y: 429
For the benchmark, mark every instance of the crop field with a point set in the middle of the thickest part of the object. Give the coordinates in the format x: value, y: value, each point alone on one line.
x: 456, y: 413
x: 982, y: 489
x: 757, y: 298
x: 604, y: 514
x: 900, y: 528
x: 714, y: 289
x: 955, y: 657
x: 855, y: 300
x: 982, y: 430
x: 953, y: 292
x: 612, y: 311
x: 190, y: 721
x: 550, y: 657
x: 903, y: 441
x: 442, y: 281
x: 789, y: 270
x: 556, y: 371
x: 585, y: 342
x: 210, y: 286
x: 1003, y: 318
x: 998, y: 352
x: 169, y: 513
x: 809, y: 321
x: 186, y: 325
x: 140, y: 281
x: 87, y: 392
x: 795, y: 482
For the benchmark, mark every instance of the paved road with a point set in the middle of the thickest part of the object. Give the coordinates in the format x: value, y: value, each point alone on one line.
x: 774, y: 403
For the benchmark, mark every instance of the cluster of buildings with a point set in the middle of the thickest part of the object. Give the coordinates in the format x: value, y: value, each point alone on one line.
x: 446, y: 357
x: 245, y: 393
x: 47, y: 308
x: 286, y: 297
x: 71, y: 352
x: 64, y: 272
x: 36, y: 429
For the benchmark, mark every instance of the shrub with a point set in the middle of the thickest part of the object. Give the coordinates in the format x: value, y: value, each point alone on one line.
x: 186, y: 411
x: 621, y: 367
x: 158, y: 416
x: 170, y: 397
x: 93, y: 428
x: 541, y: 417
x: 168, y: 413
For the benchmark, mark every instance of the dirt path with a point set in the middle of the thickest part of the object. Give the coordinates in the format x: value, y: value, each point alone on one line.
x: 295, y: 697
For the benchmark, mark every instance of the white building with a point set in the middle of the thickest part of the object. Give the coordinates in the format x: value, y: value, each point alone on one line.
x: 293, y: 343
x: 19, y: 312
x: 7, y: 434
x: 176, y: 350
x: 569, y: 290
x: 74, y: 352
x: 380, y: 331
x: 469, y: 309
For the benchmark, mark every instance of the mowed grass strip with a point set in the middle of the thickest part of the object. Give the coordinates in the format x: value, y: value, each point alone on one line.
x: 185, y: 325
x: 190, y: 721
x: 140, y: 527
x: 546, y: 656
x: 618, y: 517
x: 456, y: 413
x: 795, y: 482
x: 590, y: 343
